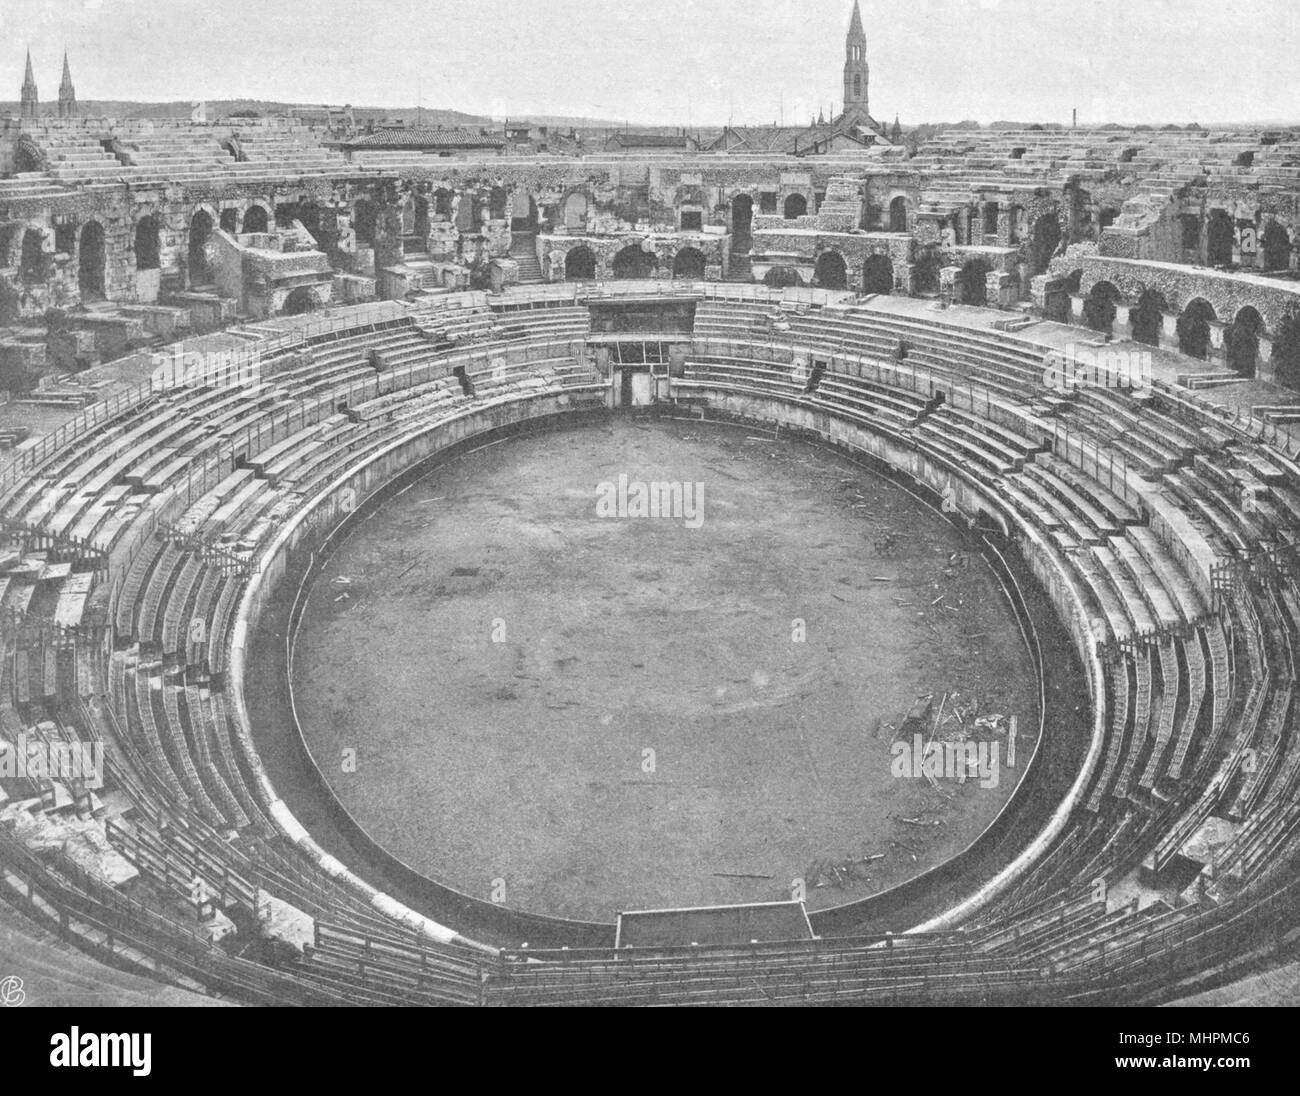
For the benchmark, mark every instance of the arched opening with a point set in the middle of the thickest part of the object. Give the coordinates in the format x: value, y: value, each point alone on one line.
x: 973, y: 282
x: 742, y: 221
x: 635, y: 262
x: 1106, y: 217
x: 688, y: 263
x: 256, y: 220
x: 230, y: 221
x: 498, y: 203
x: 27, y: 157
x: 857, y: 87
x: 1286, y: 351
x: 1147, y: 318
x: 442, y: 203
x: 148, y: 246
x: 1241, y: 341
x: 420, y: 226
x: 1100, y: 307
x: 782, y: 277
x: 877, y: 274
x: 925, y: 271
x: 90, y: 262
x: 1218, y: 239
x: 1044, y: 239
x: 33, y: 267
x: 1194, y: 329
x: 830, y: 272
x: 898, y: 214
x: 200, y: 232
x: 796, y: 205
x: 574, y: 211
x: 303, y: 299
x: 580, y: 265
x: 1275, y: 247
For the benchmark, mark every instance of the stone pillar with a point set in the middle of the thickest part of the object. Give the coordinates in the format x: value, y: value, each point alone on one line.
x: 1217, y: 355
x: 1169, y: 331
x: 905, y: 279
x: 1076, y: 308
x: 1122, y: 325
x: 1000, y: 289
x: 1264, y: 369
x: 949, y: 285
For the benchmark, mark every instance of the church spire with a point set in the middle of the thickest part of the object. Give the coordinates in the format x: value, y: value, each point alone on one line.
x: 30, y: 102
x: 856, y: 72
x: 67, y: 93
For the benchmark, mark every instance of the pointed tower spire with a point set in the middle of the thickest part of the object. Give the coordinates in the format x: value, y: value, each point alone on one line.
x: 67, y: 93
x: 30, y: 103
x: 856, y: 71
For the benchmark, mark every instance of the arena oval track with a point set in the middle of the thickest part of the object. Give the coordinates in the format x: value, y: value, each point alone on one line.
x: 894, y: 905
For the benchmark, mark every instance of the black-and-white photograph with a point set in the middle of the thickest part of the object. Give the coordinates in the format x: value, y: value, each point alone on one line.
x: 565, y: 502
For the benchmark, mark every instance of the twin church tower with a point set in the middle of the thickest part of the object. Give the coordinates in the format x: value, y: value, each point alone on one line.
x: 30, y: 107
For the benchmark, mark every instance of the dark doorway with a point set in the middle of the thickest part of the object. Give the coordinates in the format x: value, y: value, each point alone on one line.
x: 148, y: 247
x: 831, y: 273
x: 1194, y: 329
x: 796, y: 205
x: 255, y: 219
x: 973, y: 282
x: 90, y: 262
x: 1147, y: 318
x: 898, y: 214
x: 742, y: 220
x: 301, y: 300
x: 1099, y: 309
x: 634, y: 262
x: 200, y: 233
x: 1218, y: 239
x: 877, y: 274
x: 1275, y: 247
x: 580, y: 265
x: 1044, y: 239
x: 1241, y: 342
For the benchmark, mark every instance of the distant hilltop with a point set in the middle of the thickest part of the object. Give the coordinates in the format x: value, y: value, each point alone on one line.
x: 223, y: 108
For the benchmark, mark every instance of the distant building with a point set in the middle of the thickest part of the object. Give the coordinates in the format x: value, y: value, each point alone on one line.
x: 627, y: 141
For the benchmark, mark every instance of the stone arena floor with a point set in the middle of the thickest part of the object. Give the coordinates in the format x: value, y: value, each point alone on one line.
x: 503, y: 660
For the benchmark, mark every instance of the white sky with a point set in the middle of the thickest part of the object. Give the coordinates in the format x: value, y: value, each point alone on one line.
x: 679, y: 61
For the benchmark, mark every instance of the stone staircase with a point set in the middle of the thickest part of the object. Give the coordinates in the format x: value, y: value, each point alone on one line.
x: 523, y: 249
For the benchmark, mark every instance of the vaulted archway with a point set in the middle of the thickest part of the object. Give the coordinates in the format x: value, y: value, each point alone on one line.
x: 635, y: 262
x: 580, y: 264
x: 831, y: 272
x: 1194, y: 328
x: 1146, y: 320
x: 1241, y: 341
x: 255, y: 219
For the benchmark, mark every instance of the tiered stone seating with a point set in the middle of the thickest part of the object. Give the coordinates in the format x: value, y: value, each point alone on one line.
x: 163, y: 481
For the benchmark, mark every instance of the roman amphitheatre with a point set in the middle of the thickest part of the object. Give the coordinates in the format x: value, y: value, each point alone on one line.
x: 936, y: 678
